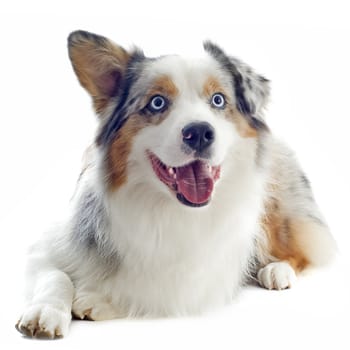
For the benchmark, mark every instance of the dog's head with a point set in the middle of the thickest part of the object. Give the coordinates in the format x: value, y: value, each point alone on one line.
x: 170, y: 121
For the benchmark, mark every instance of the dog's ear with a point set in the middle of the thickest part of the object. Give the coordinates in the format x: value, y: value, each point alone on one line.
x: 99, y: 65
x: 251, y: 89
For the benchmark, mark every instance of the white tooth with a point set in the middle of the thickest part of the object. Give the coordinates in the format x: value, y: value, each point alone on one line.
x: 174, y: 176
x: 210, y: 168
x: 171, y: 171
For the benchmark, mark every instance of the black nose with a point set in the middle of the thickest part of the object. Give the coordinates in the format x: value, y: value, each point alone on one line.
x: 198, y: 136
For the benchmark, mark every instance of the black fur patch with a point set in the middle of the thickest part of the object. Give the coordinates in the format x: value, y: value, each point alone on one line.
x: 119, y: 115
x: 243, y: 105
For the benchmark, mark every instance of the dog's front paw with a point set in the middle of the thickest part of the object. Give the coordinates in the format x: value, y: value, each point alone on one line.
x: 44, y: 321
x: 277, y: 275
x: 93, y: 308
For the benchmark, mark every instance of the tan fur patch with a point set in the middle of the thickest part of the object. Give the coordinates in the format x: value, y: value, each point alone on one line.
x: 98, y: 67
x: 163, y: 86
x: 212, y: 86
x: 119, y: 150
x: 282, y: 242
x: 241, y: 123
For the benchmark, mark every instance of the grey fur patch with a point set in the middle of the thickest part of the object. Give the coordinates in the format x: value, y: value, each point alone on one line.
x: 305, y: 180
x: 316, y: 219
x: 205, y: 154
x: 251, y: 89
x: 91, y: 228
x: 260, y: 155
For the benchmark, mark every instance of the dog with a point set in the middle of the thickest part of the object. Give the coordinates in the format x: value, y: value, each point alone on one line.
x: 184, y: 196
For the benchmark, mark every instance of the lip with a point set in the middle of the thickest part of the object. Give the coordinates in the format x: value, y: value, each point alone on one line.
x: 192, y: 184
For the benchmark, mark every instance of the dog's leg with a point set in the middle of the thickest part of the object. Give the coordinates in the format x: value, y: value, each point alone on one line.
x: 291, y: 246
x: 48, y: 312
x: 294, y: 234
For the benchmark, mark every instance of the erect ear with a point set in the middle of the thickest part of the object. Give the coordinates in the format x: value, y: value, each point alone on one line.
x: 251, y: 89
x: 99, y: 65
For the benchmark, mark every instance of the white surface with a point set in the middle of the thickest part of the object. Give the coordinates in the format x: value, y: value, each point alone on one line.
x: 46, y: 122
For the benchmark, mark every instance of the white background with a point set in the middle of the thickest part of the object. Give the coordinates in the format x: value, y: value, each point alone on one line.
x: 47, y: 121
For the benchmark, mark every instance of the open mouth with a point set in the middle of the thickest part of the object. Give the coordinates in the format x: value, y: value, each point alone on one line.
x: 192, y: 183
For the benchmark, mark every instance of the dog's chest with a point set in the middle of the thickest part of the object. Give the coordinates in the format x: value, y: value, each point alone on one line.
x: 180, y: 272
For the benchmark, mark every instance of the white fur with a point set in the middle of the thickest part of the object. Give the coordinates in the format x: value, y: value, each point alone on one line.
x: 277, y: 275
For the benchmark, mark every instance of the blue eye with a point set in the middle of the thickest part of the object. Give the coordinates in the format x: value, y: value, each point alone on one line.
x: 158, y: 103
x: 218, y: 100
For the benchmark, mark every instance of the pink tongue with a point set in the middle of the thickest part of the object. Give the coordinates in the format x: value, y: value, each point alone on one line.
x: 195, y: 182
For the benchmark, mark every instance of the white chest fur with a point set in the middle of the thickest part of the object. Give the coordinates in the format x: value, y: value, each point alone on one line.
x: 177, y: 260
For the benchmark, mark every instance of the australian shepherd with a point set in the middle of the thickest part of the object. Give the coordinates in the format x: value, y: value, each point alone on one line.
x: 184, y: 195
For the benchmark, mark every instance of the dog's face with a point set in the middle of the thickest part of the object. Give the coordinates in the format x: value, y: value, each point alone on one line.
x: 170, y: 121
